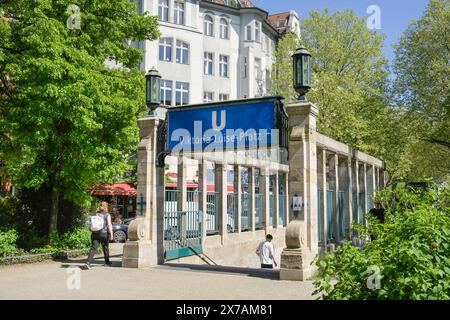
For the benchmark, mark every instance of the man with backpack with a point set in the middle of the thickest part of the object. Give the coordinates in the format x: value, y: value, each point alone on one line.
x: 101, y: 228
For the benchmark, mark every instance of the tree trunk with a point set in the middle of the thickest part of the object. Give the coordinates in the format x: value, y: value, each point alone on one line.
x: 54, y: 211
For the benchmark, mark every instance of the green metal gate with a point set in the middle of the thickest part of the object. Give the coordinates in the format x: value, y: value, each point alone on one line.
x: 183, y: 230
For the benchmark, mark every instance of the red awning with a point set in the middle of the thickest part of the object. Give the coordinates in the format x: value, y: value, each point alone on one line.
x: 117, y: 189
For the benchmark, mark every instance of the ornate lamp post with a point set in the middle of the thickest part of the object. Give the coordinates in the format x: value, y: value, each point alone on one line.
x: 302, y: 72
x: 153, y: 89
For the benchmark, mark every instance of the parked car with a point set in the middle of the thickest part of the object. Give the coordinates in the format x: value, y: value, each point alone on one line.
x: 120, y: 231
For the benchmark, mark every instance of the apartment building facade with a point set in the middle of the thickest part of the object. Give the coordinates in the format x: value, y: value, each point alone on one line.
x: 213, y: 50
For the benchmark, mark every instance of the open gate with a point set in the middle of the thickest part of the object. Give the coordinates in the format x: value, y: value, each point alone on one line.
x: 183, y: 230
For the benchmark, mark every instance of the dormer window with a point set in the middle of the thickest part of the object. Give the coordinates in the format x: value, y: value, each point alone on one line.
x: 282, y: 23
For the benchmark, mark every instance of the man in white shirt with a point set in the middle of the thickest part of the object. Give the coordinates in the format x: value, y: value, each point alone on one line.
x: 265, y: 251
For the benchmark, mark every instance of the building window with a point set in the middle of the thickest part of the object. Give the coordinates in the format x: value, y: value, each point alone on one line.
x: 208, y: 97
x: 223, y: 66
x: 179, y: 12
x: 257, y: 32
x: 182, y: 55
x: 282, y: 23
x: 208, y: 26
x: 182, y: 93
x: 208, y: 63
x: 268, y: 45
x: 248, y: 33
x: 224, y: 97
x: 166, y: 92
x: 245, y: 67
x: 163, y: 10
x: 165, y: 49
x: 224, y: 29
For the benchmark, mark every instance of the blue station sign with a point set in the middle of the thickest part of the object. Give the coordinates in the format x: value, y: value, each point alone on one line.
x: 231, y: 125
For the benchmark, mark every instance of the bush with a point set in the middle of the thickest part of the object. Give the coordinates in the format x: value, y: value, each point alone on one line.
x: 410, y: 258
x: 8, y: 243
x: 78, y: 239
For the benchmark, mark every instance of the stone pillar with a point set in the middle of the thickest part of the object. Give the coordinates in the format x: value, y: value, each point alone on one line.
x: 238, y: 197
x: 221, y: 185
x: 357, y: 190
x: 276, y: 192
x: 145, y: 245
x: 203, y: 192
x: 286, y: 198
x: 365, y: 189
x: 251, y: 191
x: 297, y: 257
x: 349, y: 215
x: 182, y: 195
x: 374, y: 182
x: 324, y: 198
x: 265, y: 188
x: 336, y: 199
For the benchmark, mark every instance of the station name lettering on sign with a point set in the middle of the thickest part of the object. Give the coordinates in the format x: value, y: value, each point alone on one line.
x: 234, y: 126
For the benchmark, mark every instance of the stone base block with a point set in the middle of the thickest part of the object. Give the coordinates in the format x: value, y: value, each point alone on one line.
x: 295, y: 265
x: 139, y: 254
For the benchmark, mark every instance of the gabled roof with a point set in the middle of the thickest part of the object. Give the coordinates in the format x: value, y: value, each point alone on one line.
x: 274, y: 20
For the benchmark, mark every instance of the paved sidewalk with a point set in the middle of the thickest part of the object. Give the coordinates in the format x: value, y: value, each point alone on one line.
x: 178, y: 282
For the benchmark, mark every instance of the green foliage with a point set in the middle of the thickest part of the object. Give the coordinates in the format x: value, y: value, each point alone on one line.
x: 282, y: 74
x: 8, y: 242
x: 79, y: 238
x: 67, y: 120
x: 411, y: 250
x: 422, y: 89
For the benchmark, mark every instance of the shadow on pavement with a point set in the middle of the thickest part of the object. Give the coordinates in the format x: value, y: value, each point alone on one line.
x: 273, y: 274
x: 96, y: 262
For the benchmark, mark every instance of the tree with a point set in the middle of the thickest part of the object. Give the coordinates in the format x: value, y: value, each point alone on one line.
x: 422, y: 84
x: 70, y: 119
x: 282, y: 74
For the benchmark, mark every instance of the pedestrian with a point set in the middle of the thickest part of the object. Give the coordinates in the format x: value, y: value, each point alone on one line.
x: 265, y: 251
x: 101, y: 228
x: 377, y: 211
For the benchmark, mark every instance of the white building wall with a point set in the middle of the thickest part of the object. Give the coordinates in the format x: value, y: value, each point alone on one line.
x: 236, y: 48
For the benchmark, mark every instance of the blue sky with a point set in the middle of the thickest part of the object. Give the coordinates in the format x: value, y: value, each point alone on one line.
x: 395, y: 14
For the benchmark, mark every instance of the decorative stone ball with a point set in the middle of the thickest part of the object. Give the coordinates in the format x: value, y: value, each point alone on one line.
x: 295, y: 234
x: 136, y: 230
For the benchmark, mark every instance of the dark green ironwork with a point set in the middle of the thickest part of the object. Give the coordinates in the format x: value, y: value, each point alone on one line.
x: 153, y: 89
x: 319, y: 216
x: 141, y: 204
x: 341, y: 219
x: 282, y: 209
x: 330, y: 214
x: 302, y: 72
x: 258, y: 211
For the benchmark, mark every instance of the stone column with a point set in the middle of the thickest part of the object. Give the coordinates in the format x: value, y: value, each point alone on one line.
x: 145, y: 245
x: 203, y: 191
x: 276, y: 192
x: 286, y: 198
x: 297, y: 257
x: 221, y: 186
x: 238, y: 197
x: 265, y: 188
x: 336, y: 199
x: 365, y: 189
x: 251, y: 191
x: 182, y: 206
x: 357, y: 190
x: 349, y: 216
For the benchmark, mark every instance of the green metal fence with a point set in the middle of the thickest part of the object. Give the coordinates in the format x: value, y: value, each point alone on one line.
x: 272, y: 210
x: 245, y: 220
x: 282, y: 209
x: 258, y: 211
x: 232, y: 212
x: 341, y: 217
x: 361, y: 207
x: 319, y: 216
x: 212, y: 213
x: 330, y: 214
x: 354, y: 207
